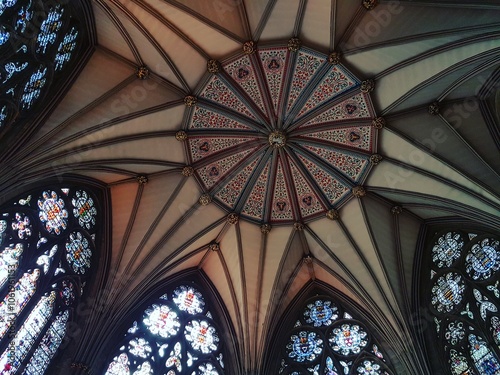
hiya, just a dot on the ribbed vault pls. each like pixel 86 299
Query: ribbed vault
pixel 435 68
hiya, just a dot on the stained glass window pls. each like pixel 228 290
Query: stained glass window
pixel 38 39
pixel 327 340
pixel 463 297
pixel 39 282
pixel 175 335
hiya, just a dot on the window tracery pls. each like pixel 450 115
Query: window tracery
pixel 327 339
pixel 39 285
pixel 37 41
pixel 463 299
pixel 176 335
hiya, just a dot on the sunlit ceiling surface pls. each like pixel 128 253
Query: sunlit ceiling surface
pixel 278 143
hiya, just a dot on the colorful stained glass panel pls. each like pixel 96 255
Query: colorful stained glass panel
pixel 304 346
pixel 348 339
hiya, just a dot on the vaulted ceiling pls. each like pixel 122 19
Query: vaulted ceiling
pixel 435 68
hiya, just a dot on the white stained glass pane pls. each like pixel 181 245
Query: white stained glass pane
pixel 24 339
pixel 202 336
pixel 66 48
pixel 119 366
pixel 33 88
pixel 48 346
pixel 9 259
pixel 49 29
pixel 188 299
pixel 4 4
pixel 23 291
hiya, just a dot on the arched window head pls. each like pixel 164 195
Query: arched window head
pixel 47 255
pixel 41 42
pixel 178 333
pixel 463 296
pixel 327 338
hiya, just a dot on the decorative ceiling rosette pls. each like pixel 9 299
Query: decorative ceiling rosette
pixel 280 136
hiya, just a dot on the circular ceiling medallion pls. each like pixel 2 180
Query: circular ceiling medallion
pixel 280 136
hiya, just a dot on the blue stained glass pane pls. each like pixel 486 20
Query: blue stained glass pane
pixel 305 346
pixel 447 292
pixel 447 249
pixel 321 313
pixel 33 88
pixel 27 334
pixel 49 29
pixel 4 4
pixel 48 346
pixel 12 68
pixel 24 15
pixel 4 36
pixel 65 49
pixel 483 259
pixel 484 360
pixel 348 339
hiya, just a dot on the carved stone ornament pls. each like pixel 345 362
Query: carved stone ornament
pixel 334 58
pixel 333 214
pixel 277 139
pixel 249 47
pixel 298 226
pixel 205 199
pixel 294 44
pixel 265 228
pixel 142 180
pixel 434 108
pixel 213 66
pixel 396 210
pixel 187 171
pixel 370 4
pixel 142 72
pixel 368 85
pixel 307 259
pixel 375 159
pixel 213 246
pixel 181 136
pixel 378 122
pixel 190 100
pixel 358 191
pixel 233 218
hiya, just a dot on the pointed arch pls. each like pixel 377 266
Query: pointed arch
pixel 51 258
pixel 323 332
pixel 459 297
pixel 180 327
